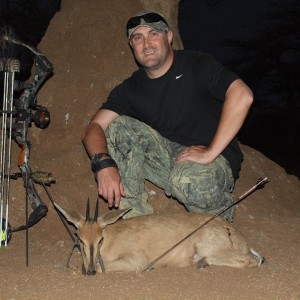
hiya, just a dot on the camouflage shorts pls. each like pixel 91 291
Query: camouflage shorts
pixel 143 154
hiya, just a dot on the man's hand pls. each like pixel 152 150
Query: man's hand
pixel 197 154
pixel 110 186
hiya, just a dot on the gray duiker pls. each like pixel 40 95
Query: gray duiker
pixel 131 244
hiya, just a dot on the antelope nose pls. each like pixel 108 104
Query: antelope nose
pixel 91 272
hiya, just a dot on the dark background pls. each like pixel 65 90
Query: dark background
pixel 259 40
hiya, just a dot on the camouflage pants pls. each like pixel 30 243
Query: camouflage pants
pixel 143 154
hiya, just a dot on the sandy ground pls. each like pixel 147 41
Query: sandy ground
pixel 88 61
pixel 269 218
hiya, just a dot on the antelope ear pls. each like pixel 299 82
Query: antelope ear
pixel 111 217
pixel 74 217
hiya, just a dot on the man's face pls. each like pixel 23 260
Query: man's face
pixel 151 48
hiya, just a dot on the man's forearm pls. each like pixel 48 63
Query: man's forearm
pixel 94 139
pixel 236 106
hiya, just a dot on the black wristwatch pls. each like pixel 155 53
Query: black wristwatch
pixel 98 164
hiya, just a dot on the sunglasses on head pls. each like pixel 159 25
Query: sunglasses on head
pixel 148 18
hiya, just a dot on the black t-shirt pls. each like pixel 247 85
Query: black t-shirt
pixel 184 105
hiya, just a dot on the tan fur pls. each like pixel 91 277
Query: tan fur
pixel 131 244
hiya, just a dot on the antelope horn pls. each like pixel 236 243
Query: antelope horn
pixel 87 217
pixel 96 211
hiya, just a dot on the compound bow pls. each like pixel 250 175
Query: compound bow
pixel 17 117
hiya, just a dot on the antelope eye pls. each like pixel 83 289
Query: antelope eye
pixel 81 242
pixel 100 240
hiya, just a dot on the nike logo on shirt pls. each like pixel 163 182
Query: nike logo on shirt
pixel 179 76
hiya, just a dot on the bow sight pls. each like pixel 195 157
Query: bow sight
pixel 18 113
